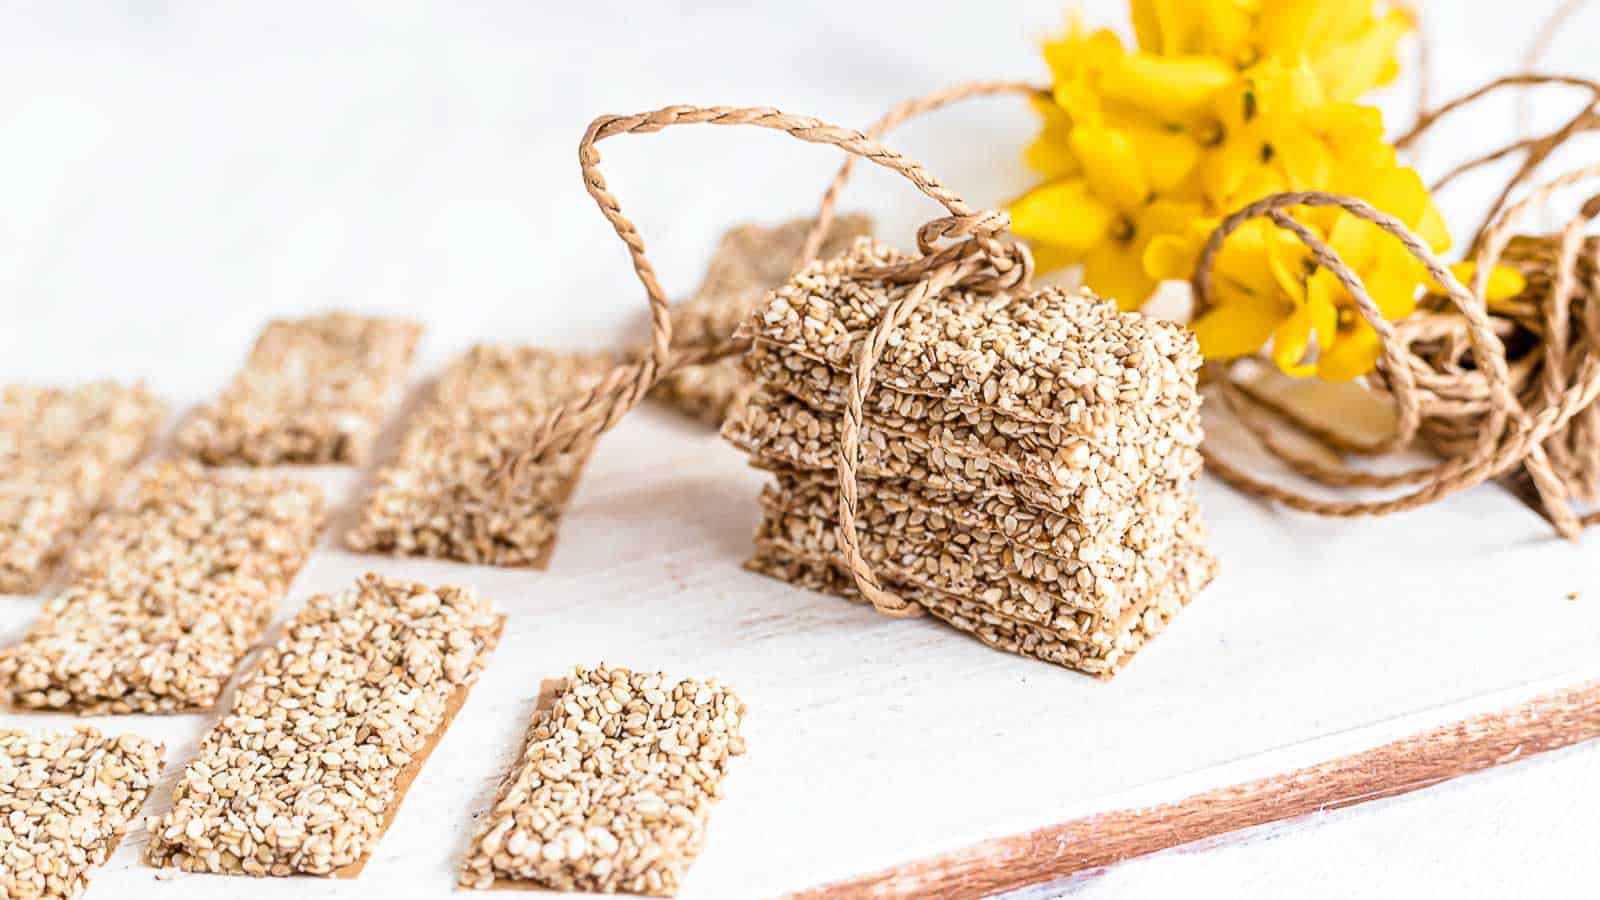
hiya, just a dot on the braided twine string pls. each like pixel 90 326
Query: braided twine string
pixel 1447 368
pixel 1491 390
pixel 965 249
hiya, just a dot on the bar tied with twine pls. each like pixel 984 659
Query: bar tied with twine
pixel 996 391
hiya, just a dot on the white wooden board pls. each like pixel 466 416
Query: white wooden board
pixel 875 741
pixel 174 178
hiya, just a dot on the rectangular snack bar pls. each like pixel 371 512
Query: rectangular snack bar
pixel 904 506
pixel 435 499
pixel 63 454
pixel 1100 432
pixel 749 261
pixel 168 593
pixel 306 771
pixel 1039 589
pixel 313 390
pixel 66 800
pixel 1043 356
pixel 614 786
pixel 1073 475
pixel 1192 571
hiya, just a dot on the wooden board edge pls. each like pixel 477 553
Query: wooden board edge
pixel 1548 722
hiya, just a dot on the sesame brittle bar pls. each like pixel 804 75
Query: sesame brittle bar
pixel 749 261
pixel 1035 587
pixel 167 595
pixel 312 391
pixel 1102 657
pixel 961 457
pixel 436 497
pixel 64 452
pixel 66 800
pixel 614 786
pixel 1099 434
pixel 1040 592
pixel 307 770
pixel 905 506
pixel 1039 357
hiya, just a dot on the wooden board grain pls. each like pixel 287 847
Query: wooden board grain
pixel 1549 722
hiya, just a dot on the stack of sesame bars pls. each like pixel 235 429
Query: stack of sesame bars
pixel 1026 458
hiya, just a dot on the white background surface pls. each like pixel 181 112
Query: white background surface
pixel 172 174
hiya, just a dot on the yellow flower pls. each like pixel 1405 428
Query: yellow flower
pixel 1112 168
pixel 1104 218
pixel 1144 150
pixel 1347 43
pixel 1266 140
pixel 1267 287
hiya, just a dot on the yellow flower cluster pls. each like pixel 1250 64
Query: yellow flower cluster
pixel 1223 102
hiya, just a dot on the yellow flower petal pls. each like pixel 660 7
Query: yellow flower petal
pixel 1365 61
pixel 1175 88
pixel 1157 26
pixel 1397 190
pixel 1354 354
pixel 1504 281
pixel 1111 167
pixel 1237 326
pixel 1227 168
pixel 1115 271
pixel 1285 91
pixel 1289 261
pixel 1063 214
pixel 1048 258
pixel 1169 216
pixel 1292 343
pixel 1079 102
pixel 1294 28
pixel 1355 240
pixel 1175 27
pixel 1348 123
pixel 1077 54
pixel 1325 296
pixel 1167 156
pixel 1305 158
pixel 1051 154
pixel 1171 257
pixel 1432 228
pixel 1052 158
pixel 1393 287
pixel 1285 29
pixel 1243 257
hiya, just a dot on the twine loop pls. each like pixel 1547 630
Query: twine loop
pixel 980 256
pixel 1454 370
